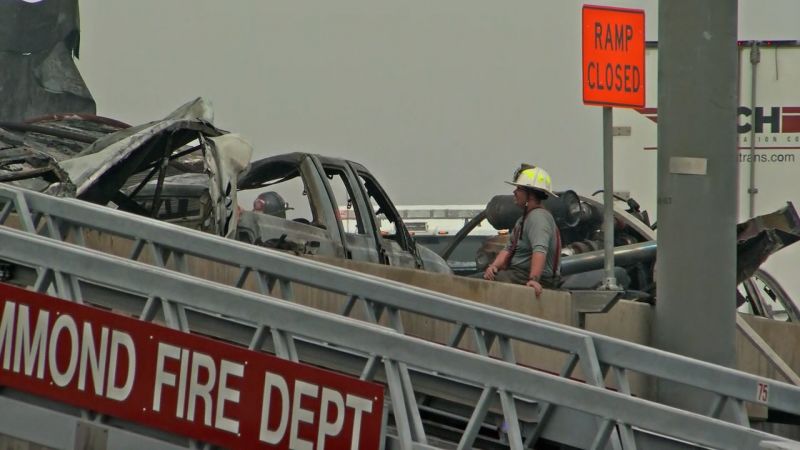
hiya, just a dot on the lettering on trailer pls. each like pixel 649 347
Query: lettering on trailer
pixel 776 127
pixel 194 386
pixel 778 119
pixel 613 56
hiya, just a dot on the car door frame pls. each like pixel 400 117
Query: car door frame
pixel 362 207
pixel 317 191
pixel 405 240
pixel 330 209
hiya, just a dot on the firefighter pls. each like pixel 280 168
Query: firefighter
pixel 271 203
pixel 532 256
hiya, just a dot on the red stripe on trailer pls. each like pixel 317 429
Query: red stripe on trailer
pixel 790 124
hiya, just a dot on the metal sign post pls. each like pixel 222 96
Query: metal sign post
pixel 613 75
pixel 610 279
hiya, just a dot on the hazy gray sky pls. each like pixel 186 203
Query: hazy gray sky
pixel 440 99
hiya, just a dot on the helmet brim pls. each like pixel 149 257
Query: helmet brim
pixel 549 193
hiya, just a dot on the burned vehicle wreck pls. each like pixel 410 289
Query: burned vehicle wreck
pixel 184 170
pixel 131 168
pixel 580 218
pixel 296 198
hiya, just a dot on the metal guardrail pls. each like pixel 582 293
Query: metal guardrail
pixel 59 218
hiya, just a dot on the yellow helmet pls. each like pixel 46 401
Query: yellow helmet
pixel 532 177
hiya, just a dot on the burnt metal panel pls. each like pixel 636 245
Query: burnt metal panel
pixel 37 45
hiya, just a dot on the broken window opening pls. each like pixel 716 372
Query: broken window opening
pixel 174 168
pixel 286 197
pixel 347 211
pixel 380 207
pixel 775 309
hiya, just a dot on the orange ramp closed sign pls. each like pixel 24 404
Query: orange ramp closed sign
pixel 613 56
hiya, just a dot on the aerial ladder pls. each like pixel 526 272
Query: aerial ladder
pixel 436 396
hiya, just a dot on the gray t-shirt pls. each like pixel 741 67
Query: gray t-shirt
pixel 538 235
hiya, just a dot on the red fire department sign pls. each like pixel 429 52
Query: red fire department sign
pixel 613 56
pixel 182 383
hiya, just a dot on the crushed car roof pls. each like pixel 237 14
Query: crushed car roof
pixel 92 157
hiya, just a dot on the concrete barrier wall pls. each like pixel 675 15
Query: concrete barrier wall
pixel 627 320
pixel 783 337
pixel 11 443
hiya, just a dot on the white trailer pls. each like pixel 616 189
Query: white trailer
pixel 769 140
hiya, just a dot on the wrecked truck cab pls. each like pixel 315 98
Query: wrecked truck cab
pixel 185 200
pixel 109 163
pixel 312 187
pixel 184 170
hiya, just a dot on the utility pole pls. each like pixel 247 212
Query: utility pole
pixel 697 186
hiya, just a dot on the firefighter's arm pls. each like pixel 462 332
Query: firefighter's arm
pixel 537 266
pixel 500 262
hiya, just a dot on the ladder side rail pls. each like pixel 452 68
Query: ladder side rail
pixel 19 198
pixel 305 321
pixel 615 352
pixel 5 212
